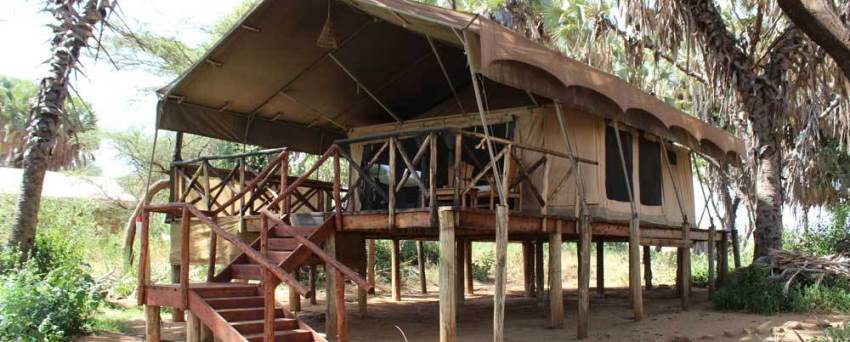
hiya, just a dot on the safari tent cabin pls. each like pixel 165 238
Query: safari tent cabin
pixel 424 123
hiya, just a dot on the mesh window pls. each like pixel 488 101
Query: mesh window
pixel 649 172
pixel 615 182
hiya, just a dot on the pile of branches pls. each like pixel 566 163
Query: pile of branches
pixel 788 265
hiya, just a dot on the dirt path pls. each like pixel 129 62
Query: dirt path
pixel 525 320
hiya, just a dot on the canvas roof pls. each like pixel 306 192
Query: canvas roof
pixel 269 83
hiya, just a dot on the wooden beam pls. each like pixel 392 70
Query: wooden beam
pixel 153 324
pixel 269 303
pixel 193 327
pixel 362 295
pixel 391 186
pixel 600 267
pixel 395 270
pixel 420 260
pixel 294 297
pixel 501 273
pixel 583 317
pixel 371 264
pixel 556 294
pixel 177 315
pixel 448 323
pixel 339 305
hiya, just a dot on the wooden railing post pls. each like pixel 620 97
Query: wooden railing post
pixel 185 223
pixel 213 249
pixel 337 187
pixel 284 183
pixel 448 297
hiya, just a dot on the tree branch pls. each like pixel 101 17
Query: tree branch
pixel 819 20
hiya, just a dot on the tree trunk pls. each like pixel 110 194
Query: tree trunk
pixel 768 233
pixel 73 28
pixel 824 26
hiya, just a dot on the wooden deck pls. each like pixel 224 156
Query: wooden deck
pixel 479 225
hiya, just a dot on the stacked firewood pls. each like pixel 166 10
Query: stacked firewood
pixel 787 265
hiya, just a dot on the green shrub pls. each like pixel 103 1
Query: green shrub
pixel 750 289
pixel 831 296
pixel 835 334
pixel 51 297
pixel 482 265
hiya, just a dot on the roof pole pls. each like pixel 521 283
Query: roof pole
pixel 362 86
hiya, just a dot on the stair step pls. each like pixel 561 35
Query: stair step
pixel 282 244
pixel 297 335
pixel 303 231
pixel 246 314
pixel 235 302
pixel 256 326
pixel 278 256
pixel 246 271
pixel 246 290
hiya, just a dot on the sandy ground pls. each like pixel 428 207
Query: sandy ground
pixel 525 320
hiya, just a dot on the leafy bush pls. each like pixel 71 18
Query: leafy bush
pixel 831 296
pixel 482 265
pixel 835 334
pixel 750 289
pixel 825 239
pixel 51 297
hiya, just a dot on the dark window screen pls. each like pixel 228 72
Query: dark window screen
pixel 615 182
pixel 649 172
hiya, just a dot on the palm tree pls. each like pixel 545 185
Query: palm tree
pixel 76 22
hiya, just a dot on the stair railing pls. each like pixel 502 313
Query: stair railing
pixel 187 212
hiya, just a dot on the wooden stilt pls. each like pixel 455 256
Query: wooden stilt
pixel 396 270
pixel 331 293
pixel 583 319
pixel 448 325
pixel 206 334
pixel 153 324
pixel 723 260
pixel 339 305
pixel 712 233
pixel 556 294
pixel 294 298
pixel 193 327
pixel 177 315
pixel 269 305
pixel 362 295
pixel 501 272
pixel 313 275
pixel 600 267
pixel 736 249
pixel 459 272
pixel 420 257
pixel 686 270
pixel 679 263
pixel 528 268
pixel 647 266
pixel 467 267
pixel 539 273
pixel 371 262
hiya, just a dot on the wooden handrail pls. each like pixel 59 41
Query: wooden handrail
pixel 303 177
pixel 253 183
pixel 349 273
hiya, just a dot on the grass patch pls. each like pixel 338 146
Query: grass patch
pixel 115 318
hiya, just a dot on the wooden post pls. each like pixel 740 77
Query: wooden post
pixel 339 304
pixel 723 260
pixel 556 294
pixel 647 266
pixel 600 267
pixel 193 327
pixel 679 262
pixel 334 296
pixel 391 191
pixel 583 319
pixel 736 249
pixel 712 233
pixel 501 272
pixel 432 179
pixel 152 324
pixel 370 262
pixel 634 234
pixel 337 188
pixel 459 279
pixel 313 275
pixel 177 315
pixel 467 266
pixel 448 323
pixel 294 297
pixel 539 273
pixel 420 259
pixel 362 295
pixel 269 285
pixel 185 221
pixel 396 271
pixel 528 268
pixel 457 154
pixel 686 268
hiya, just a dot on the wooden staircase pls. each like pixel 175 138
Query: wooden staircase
pixel 236 312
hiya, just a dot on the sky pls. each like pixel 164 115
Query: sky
pixel 121 98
